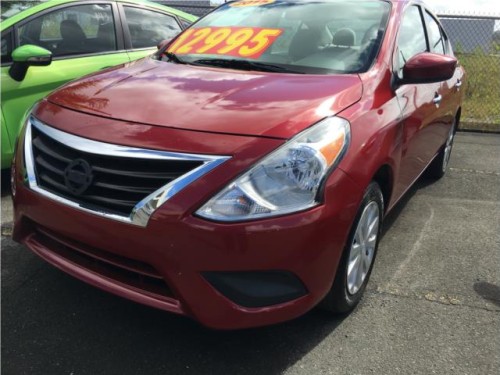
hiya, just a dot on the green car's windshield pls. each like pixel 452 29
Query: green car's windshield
pixel 300 36
pixel 11 8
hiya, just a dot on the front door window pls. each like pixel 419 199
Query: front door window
pixel 76 30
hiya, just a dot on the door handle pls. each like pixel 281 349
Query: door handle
pixel 458 84
pixel 437 99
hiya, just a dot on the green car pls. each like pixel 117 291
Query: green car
pixel 53 42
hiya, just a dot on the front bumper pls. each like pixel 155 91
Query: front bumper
pixel 163 265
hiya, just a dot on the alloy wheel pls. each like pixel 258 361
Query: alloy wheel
pixel 363 247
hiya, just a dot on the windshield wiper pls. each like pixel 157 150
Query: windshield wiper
pixel 173 57
pixel 245 65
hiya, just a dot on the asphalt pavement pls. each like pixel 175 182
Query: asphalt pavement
pixel 432 306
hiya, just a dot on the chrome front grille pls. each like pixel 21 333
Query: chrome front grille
pixel 119 182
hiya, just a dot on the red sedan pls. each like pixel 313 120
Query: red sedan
pixel 240 176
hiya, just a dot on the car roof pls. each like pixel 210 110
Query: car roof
pixel 5 24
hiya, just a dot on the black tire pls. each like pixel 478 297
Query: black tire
pixel 339 299
pixel 437 168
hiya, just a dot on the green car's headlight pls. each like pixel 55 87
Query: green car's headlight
pixel 285 181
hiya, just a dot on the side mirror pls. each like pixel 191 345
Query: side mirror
pixel 428 68
pixel 164 43
pixel 25 56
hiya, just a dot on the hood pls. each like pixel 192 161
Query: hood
pixel 211 99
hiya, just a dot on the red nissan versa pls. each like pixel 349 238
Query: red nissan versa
pixel 240 175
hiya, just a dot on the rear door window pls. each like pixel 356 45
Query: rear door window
pixel 148 28
pixel 436 39
pixel 185 23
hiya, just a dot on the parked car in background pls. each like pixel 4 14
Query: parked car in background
pixel 46 44
pixel 241 175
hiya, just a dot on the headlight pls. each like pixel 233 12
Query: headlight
pixel 285 181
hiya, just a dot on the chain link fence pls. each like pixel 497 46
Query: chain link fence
pixel 197 7
pixel 476 42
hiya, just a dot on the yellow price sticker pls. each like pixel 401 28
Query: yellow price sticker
pixel 247 42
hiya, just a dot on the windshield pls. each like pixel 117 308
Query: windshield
pixel 314 37
pixel 11 8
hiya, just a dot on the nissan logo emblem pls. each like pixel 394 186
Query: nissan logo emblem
pixel 78 176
